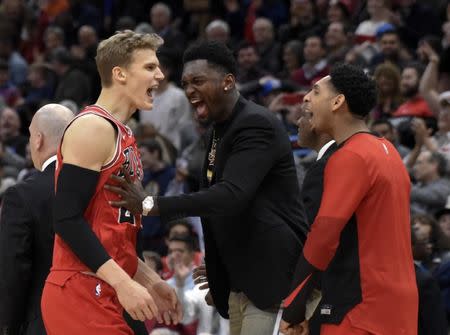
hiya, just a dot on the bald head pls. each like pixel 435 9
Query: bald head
pixel 51 120
pixel 46 130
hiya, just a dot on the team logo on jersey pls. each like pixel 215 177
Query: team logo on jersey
pixel 132 163
pixel 98 290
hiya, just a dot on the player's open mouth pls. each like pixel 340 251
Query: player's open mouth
pixel 199 106
pixel 151 90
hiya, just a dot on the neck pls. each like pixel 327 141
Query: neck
pixel 116 104
pixel 348 127
pixel 156 167
pixel 229 105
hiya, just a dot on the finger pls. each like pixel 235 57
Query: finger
pixel 118 203
pixel 204 286
pixel 167 318
pixel 115 189
pixel 127 176
pixel 200 280
pixel 141 315
pixel 133 315
pixel 116 178
pixel 151 304
pixel 148 312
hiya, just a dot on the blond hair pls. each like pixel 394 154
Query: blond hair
pixel 118 49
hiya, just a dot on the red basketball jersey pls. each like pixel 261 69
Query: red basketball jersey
pixel 116 228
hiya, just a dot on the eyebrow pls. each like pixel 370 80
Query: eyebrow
pixel 316 87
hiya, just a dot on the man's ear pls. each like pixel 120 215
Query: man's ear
pixel 229 82
pixel 39 140
pixel 337 102
pixel 119 74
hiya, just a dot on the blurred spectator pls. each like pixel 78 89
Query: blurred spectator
pixel 72 83
pixel 379 14
pixel 8 91
pixel 315 66
pixel 176 228
pixel 391 51
pixel 292 58
pixel 160 19
pixel 39 85
pixel 337 42
pixel 432 319
pixel 79 13
pixel 303 22
pixel 385 129
pixel 84 54
pixel 218 30
pixel 53 39
pixel 248 64
pixel 12 163
pixel 414 104
pixel 10 132
pixel 18 67
pixel 339 11
pixel 157 176
pixel 387 77
pixel 197 315
pixel 171 109
pixel 431 189
pixel 268 49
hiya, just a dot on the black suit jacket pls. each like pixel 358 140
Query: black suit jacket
pixel 252 216
pixel 26 248
pixel 312 187
pixel 432 318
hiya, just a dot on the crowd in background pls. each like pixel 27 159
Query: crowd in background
pixel 47 50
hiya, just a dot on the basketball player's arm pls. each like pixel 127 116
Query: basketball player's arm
pixel 88 143
pixel 346 182
pixel 164 295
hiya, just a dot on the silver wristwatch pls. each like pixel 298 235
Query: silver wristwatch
pixel 147 205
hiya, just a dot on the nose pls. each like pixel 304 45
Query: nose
pixel 306 97
pixel 159 75
pixel 188 90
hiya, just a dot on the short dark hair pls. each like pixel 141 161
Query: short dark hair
pixel 185 238
pixel 217 54
pixel 358 88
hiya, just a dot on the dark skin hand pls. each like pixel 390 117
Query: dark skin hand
pixel 200 277
pixel 131 194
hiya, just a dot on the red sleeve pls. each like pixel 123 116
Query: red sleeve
pixel 346 182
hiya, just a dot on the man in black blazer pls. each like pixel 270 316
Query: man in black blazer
pixel 26 232
pixel 249 202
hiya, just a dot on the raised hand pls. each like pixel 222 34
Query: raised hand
pixel 200 277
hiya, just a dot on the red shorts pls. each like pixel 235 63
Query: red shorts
pixel 344 328
pixel 82 305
